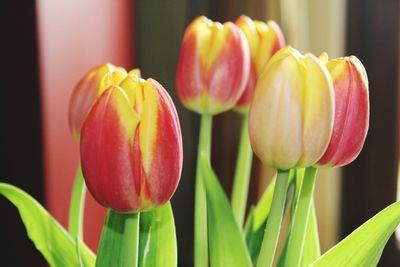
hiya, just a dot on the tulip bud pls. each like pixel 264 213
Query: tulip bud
pixel 213 66
pixel 351 111
pixel 131 146
pixel 291 116
pixel 90 86
pixel 264 40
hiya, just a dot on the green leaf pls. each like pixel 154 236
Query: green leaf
pixel 157 247
pixel 257 220
pixel 226 243
pixel 80 250
pixel 311 250
pixel 49 237
pixel 258 215
pixel 119 243
pixel 364 246
pixel 150 234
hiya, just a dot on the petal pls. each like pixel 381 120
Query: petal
pixel 160 144
pixel 243 104
pixel 132 86
pixel 228 76
pixel 324 57
pixel 275 117
pixel 108 161
pixel 113 77
pixel 250 30
pixel 318 108
pixel 83 96
pixel 271 40
pixel 135 72
pixel 264 40
pixel 352 111
pixel 190 82
pixel 148 123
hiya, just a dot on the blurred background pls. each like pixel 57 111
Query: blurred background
pixel 46 46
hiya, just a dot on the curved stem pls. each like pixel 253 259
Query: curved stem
pixel 76 208
pixel 300 219
pixel 119 244
pixel 200 210
pixel 242 173
pixel 273 226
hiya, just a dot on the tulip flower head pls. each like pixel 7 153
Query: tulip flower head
pixel 89 87
pixel 213 66
pixel 351 111
pixel 264 40
pixel 131 146
pixel 291 116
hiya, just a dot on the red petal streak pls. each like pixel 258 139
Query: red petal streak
pixel 189 74
pixel 106 154
pixel 166 166
pixel 227 78
pixel 82 99
pixel 351 118
pixel 247 96
pixel 278 42
pixel 280 39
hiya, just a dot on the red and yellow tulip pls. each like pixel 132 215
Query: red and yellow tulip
pixel 264 40
pixel 89 88
pixel 291 116
pixel 131 146
pixel 213 66
pixel 351 111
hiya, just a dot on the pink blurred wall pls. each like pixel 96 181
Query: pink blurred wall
pixel 75 35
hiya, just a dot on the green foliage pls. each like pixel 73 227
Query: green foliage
pixel 145 240
pixel 226 243
pixel 258 215
pixel 157 245
pixel 311 249
pixel 157 240
pixel 364 246
pixel 49 237
pixel 119 243
pixel 257 220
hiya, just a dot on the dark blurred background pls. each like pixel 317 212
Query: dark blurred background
pixel 46 46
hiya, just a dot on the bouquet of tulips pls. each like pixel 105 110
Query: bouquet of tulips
pixel 299 113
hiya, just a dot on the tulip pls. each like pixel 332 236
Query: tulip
pixel 351 111
pixel 213 66
pixel 264 40
pixel 131 146
pixel 89 88
pixel 291 116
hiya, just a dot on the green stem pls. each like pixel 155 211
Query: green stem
pixel 76 208
pixel 200 210
pixel 119 244
pixel 242 173
pixel 300 219
pixel 273 226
